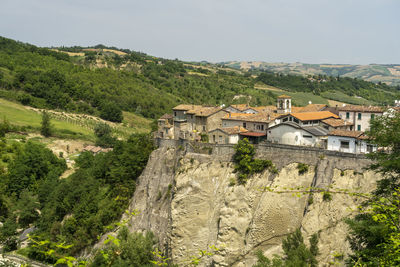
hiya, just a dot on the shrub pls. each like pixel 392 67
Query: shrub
pixel 326 196
pixel 303 168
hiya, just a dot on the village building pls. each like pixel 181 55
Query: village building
pixel 308 118
pixel 291 133
pixel 360 116
pixel 165 126
pixel 336 124
pixel 349 141
pixel 191 121
pixel 230 135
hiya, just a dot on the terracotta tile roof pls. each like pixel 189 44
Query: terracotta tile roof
pixel 255 134
pixel 284 96
pixel 357 108
pixel 240 107
pixel 310 116
pixel 336 122
pixel 204 111
pixel 166 116
pixel 232 130
pixel 354 134
pixel 186 107
pixel 313 107
pixel 259 117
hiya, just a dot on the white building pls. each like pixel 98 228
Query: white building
pixel 349 141
pixel 290 133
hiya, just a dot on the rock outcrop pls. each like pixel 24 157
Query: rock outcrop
pixel 191 202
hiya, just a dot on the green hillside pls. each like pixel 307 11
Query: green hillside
pixel 104 81
pixel 389 73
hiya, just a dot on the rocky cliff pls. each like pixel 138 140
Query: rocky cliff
pixel 189 200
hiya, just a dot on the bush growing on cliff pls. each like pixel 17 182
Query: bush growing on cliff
pixel 296 253
pixel 245 164
pixel 375 232
pixel 303 168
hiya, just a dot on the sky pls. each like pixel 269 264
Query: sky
pixel 308 31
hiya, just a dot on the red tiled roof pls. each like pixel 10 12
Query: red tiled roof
pixel 336 122
pixel 357 108
pixel 255 134
pixel 310 116
pixel 354 134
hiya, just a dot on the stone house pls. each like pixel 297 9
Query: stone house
pixel 229 135
pixel 360 116
pixel 166 126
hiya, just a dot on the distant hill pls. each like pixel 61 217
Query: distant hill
pixel 103 81
pixel 389 74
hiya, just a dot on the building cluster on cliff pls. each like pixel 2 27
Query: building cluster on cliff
pixel 317 125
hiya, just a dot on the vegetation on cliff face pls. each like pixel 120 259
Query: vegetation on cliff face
pixel 375 232
pixel 296 253
pixel 74 210
pixel 246 164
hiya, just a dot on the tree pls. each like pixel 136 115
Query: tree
pixel 296 253
pixel 375 233
pixel 45 129
pixel 111 112
pixel 103 135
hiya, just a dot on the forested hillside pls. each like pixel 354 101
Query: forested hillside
pixel 103 81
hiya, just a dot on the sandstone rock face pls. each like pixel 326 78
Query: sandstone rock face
pixel 190 202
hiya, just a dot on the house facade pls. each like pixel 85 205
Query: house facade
pixel 349 141
pixel 360 116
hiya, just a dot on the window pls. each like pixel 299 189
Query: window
pixel 290 119
pixel 344 144
pixel 347 115
pixel 175 113
pixel 285 119
pixel 296 120
pixel 204 128
pixel 359 116
pixel 244 125
pixel 220 138
pixel 372 116
pixel 307 136
pixel 359 127
pixel 262 127
pixel 213 138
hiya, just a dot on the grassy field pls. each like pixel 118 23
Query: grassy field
pixel 19 115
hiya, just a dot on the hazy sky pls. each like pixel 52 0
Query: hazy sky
pixel 311 31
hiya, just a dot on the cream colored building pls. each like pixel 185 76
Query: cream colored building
pixel 360 116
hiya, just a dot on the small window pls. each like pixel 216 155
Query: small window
pixel 344 144
pixel 244 125
pixel 307 136
pixel 372 116
pixel 359 127
pixel 175 113
pixel 347 115
pixel 296 120
pixel 214 138
pixel 204 128
pixel 359 116
pixel 262 127
pixel 220 138
pixel 285 119
pixel 290 119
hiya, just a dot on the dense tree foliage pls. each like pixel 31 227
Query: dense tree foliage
pixel 380 93
pixel 76 209
pixel 45 128
pixel 375 232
